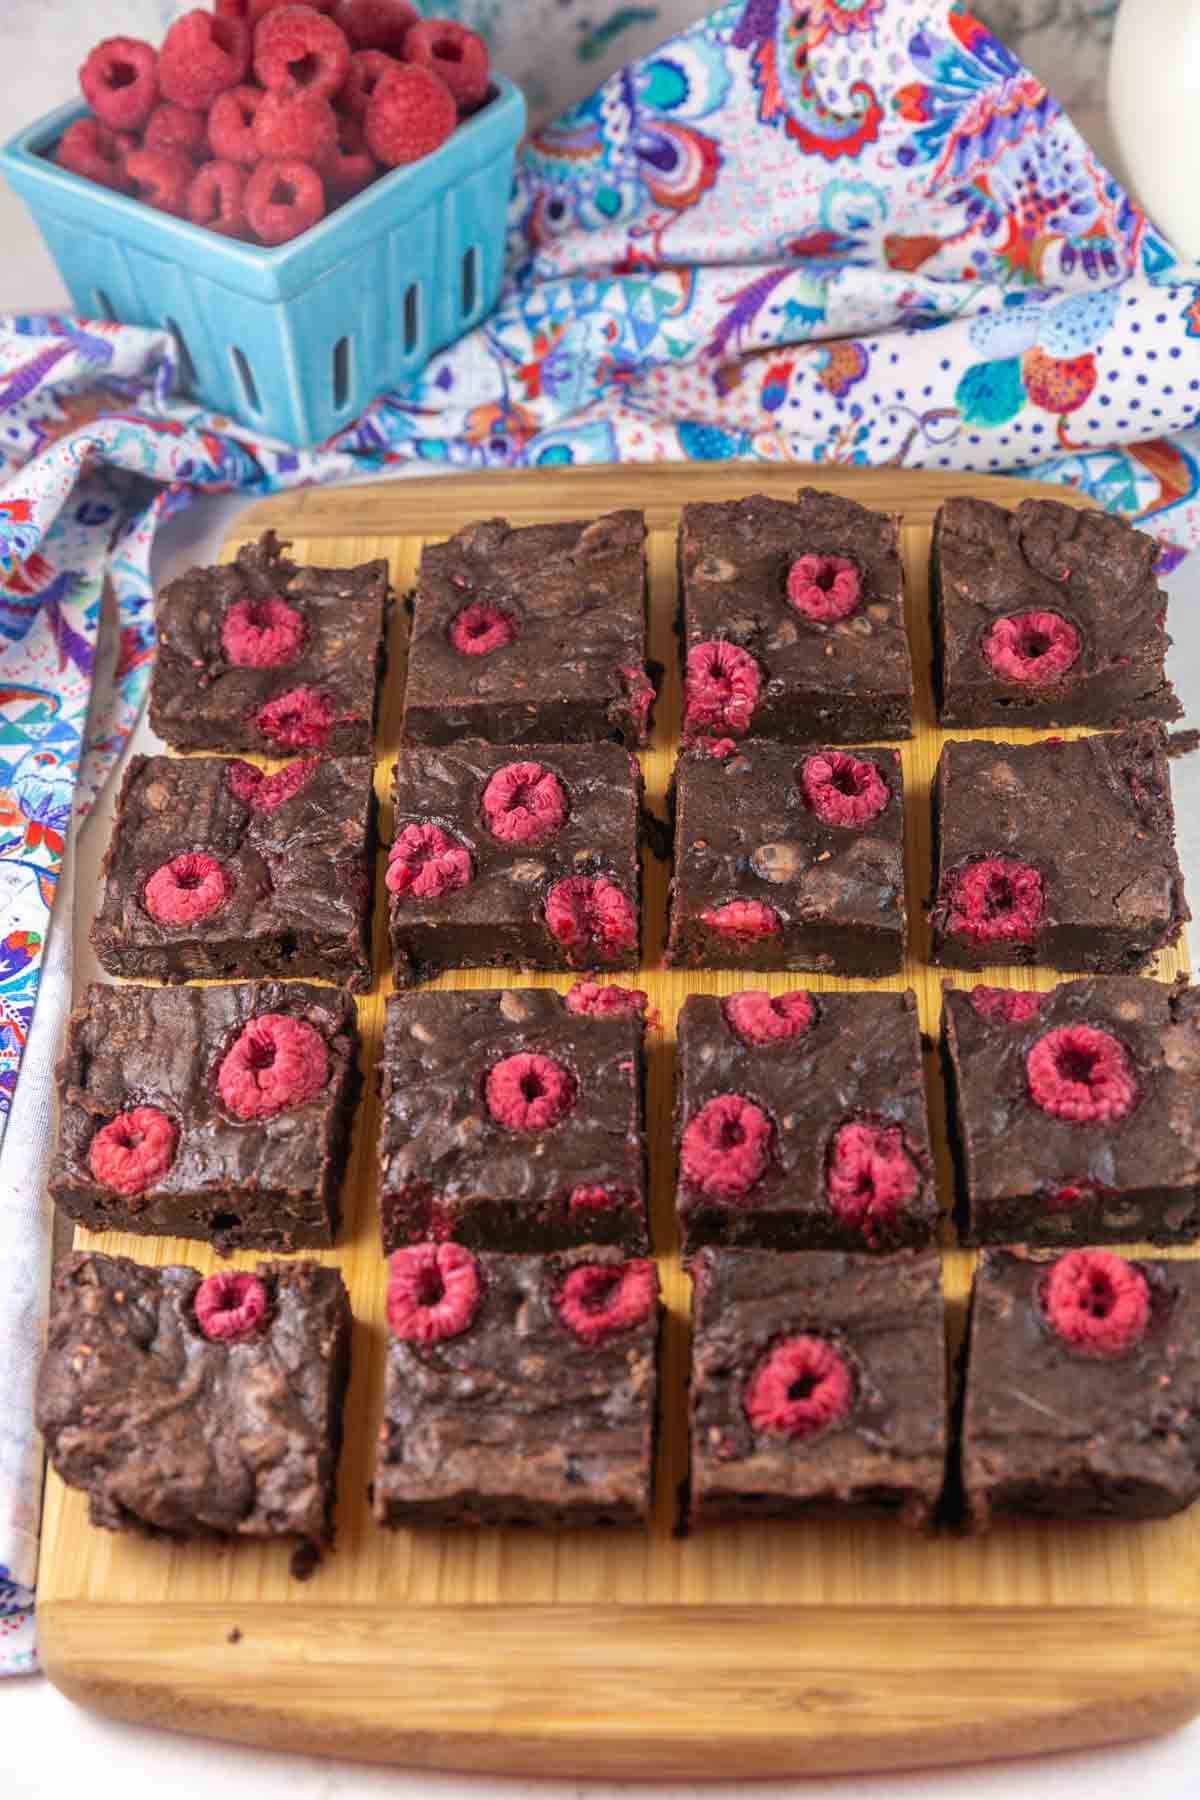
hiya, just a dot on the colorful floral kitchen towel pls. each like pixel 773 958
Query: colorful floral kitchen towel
pixel 843 231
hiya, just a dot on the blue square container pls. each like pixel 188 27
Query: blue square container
pixel 293 341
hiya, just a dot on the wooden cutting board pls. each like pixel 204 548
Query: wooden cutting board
pixel 747 1650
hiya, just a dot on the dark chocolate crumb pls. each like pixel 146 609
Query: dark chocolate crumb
pixel 306 1559
pixel 1182 743
pixel 234 1636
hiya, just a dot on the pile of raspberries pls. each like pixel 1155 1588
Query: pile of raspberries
pixel 258 118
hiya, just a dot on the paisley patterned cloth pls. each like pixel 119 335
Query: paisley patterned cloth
pixel 844 231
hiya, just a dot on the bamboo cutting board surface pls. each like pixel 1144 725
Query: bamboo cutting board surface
pixel 746 1649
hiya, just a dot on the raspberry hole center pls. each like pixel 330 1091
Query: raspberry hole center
pixel 1076 1062
pixel 1098 1297
pixel 598 1293
pixel 430 1287
pixel 730 1134
pixel 447 51
pixel 1034 644
pixel 283 194
pixel 305 69
pixel 121 75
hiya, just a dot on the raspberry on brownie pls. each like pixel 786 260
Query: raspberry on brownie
pixel 788 858
pixel 1073 1117
pixel 518 1389
pixel 800 1120
pixel 1056 853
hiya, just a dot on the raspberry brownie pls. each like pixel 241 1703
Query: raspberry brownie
pixel 512 1118
pixel 210 1112
pixel 800 1122
pixel 527 860
pixel 217 869
pixel 532 636
pixel 818 1385
pixel 1082 1394
pixel 259 654
pixel 196 1407
pixel 788 859
pixel 793 620
pixel 1049 615
pixel 1075 1114
pixel 519 1389
pixel 1056 853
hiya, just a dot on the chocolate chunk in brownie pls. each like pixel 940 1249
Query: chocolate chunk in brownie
pixel 217 869
pixel 259 654
pixel 212 1112
pixel 534 635
pixel 519 1389
pixel 788 859
pixel 197 1407
pixel 1056 853
pixel 818 1385
pixel 1048 615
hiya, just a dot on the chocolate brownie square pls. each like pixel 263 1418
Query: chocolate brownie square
pixel 512 1118
pixel 1082 1390
pixel 1048 615
pixel 788 859
pixel 259 654
pixel 212 1112
pixel 519 1389
pixel 534 635
pixel 800 1122
pixel 818 1385
pixel 793 620
pixel 197 1407
pixel 1075 1115
pixel 529 861
pixel 216 869
pixel 1056 853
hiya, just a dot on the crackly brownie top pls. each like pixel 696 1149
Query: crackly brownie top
pixel 1093 1085
pixel 173 1428
pixel 507 1093
pixel 1087 567
pixel 278 852
pixel 564 606
pixel 533 1371
pixel 814 834
pixel 179 1090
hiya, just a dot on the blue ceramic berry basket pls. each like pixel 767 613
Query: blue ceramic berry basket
pixel 293 341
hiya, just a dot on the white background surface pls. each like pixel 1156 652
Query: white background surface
pixel 49 1748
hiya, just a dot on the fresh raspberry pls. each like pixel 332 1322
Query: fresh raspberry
pixel 160 178
pixel 824 588
pixel 296 126
pixel 187 888
pixel 599 1299
pixel 1080 1073
pixel 214 200
pixel 120 82
pixel 528 1092
pixel 603 1002
pixel 524 803
pixel 367 69
pixel 455 54
pixel 594 1197
pixel 1034 648
pixel 276 1062
pixel 262 792
pixel 995 900
pixel 724 1150
pixel 798 1388
pixel 1096 1301
pixel 351 167
pixel 410 113
pixel 433 1292
pixel 378 24
pixel 742 921
pixel 299 51
pixel 1013 1005
pixel 283 199
pixel 720 687
pixel 201 57
pixel 481 628
pixel 759 1018
pixel 1064 1196
pixel 231 125
pixel 591 914
pixel 870 1175
pixel 301 719
pixel 250 12
pixel 719 749
pixel 230 1304
pixel 90 149
pixel 426 863
pixel 843 789
pixel 134 1150
pixel 639 689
